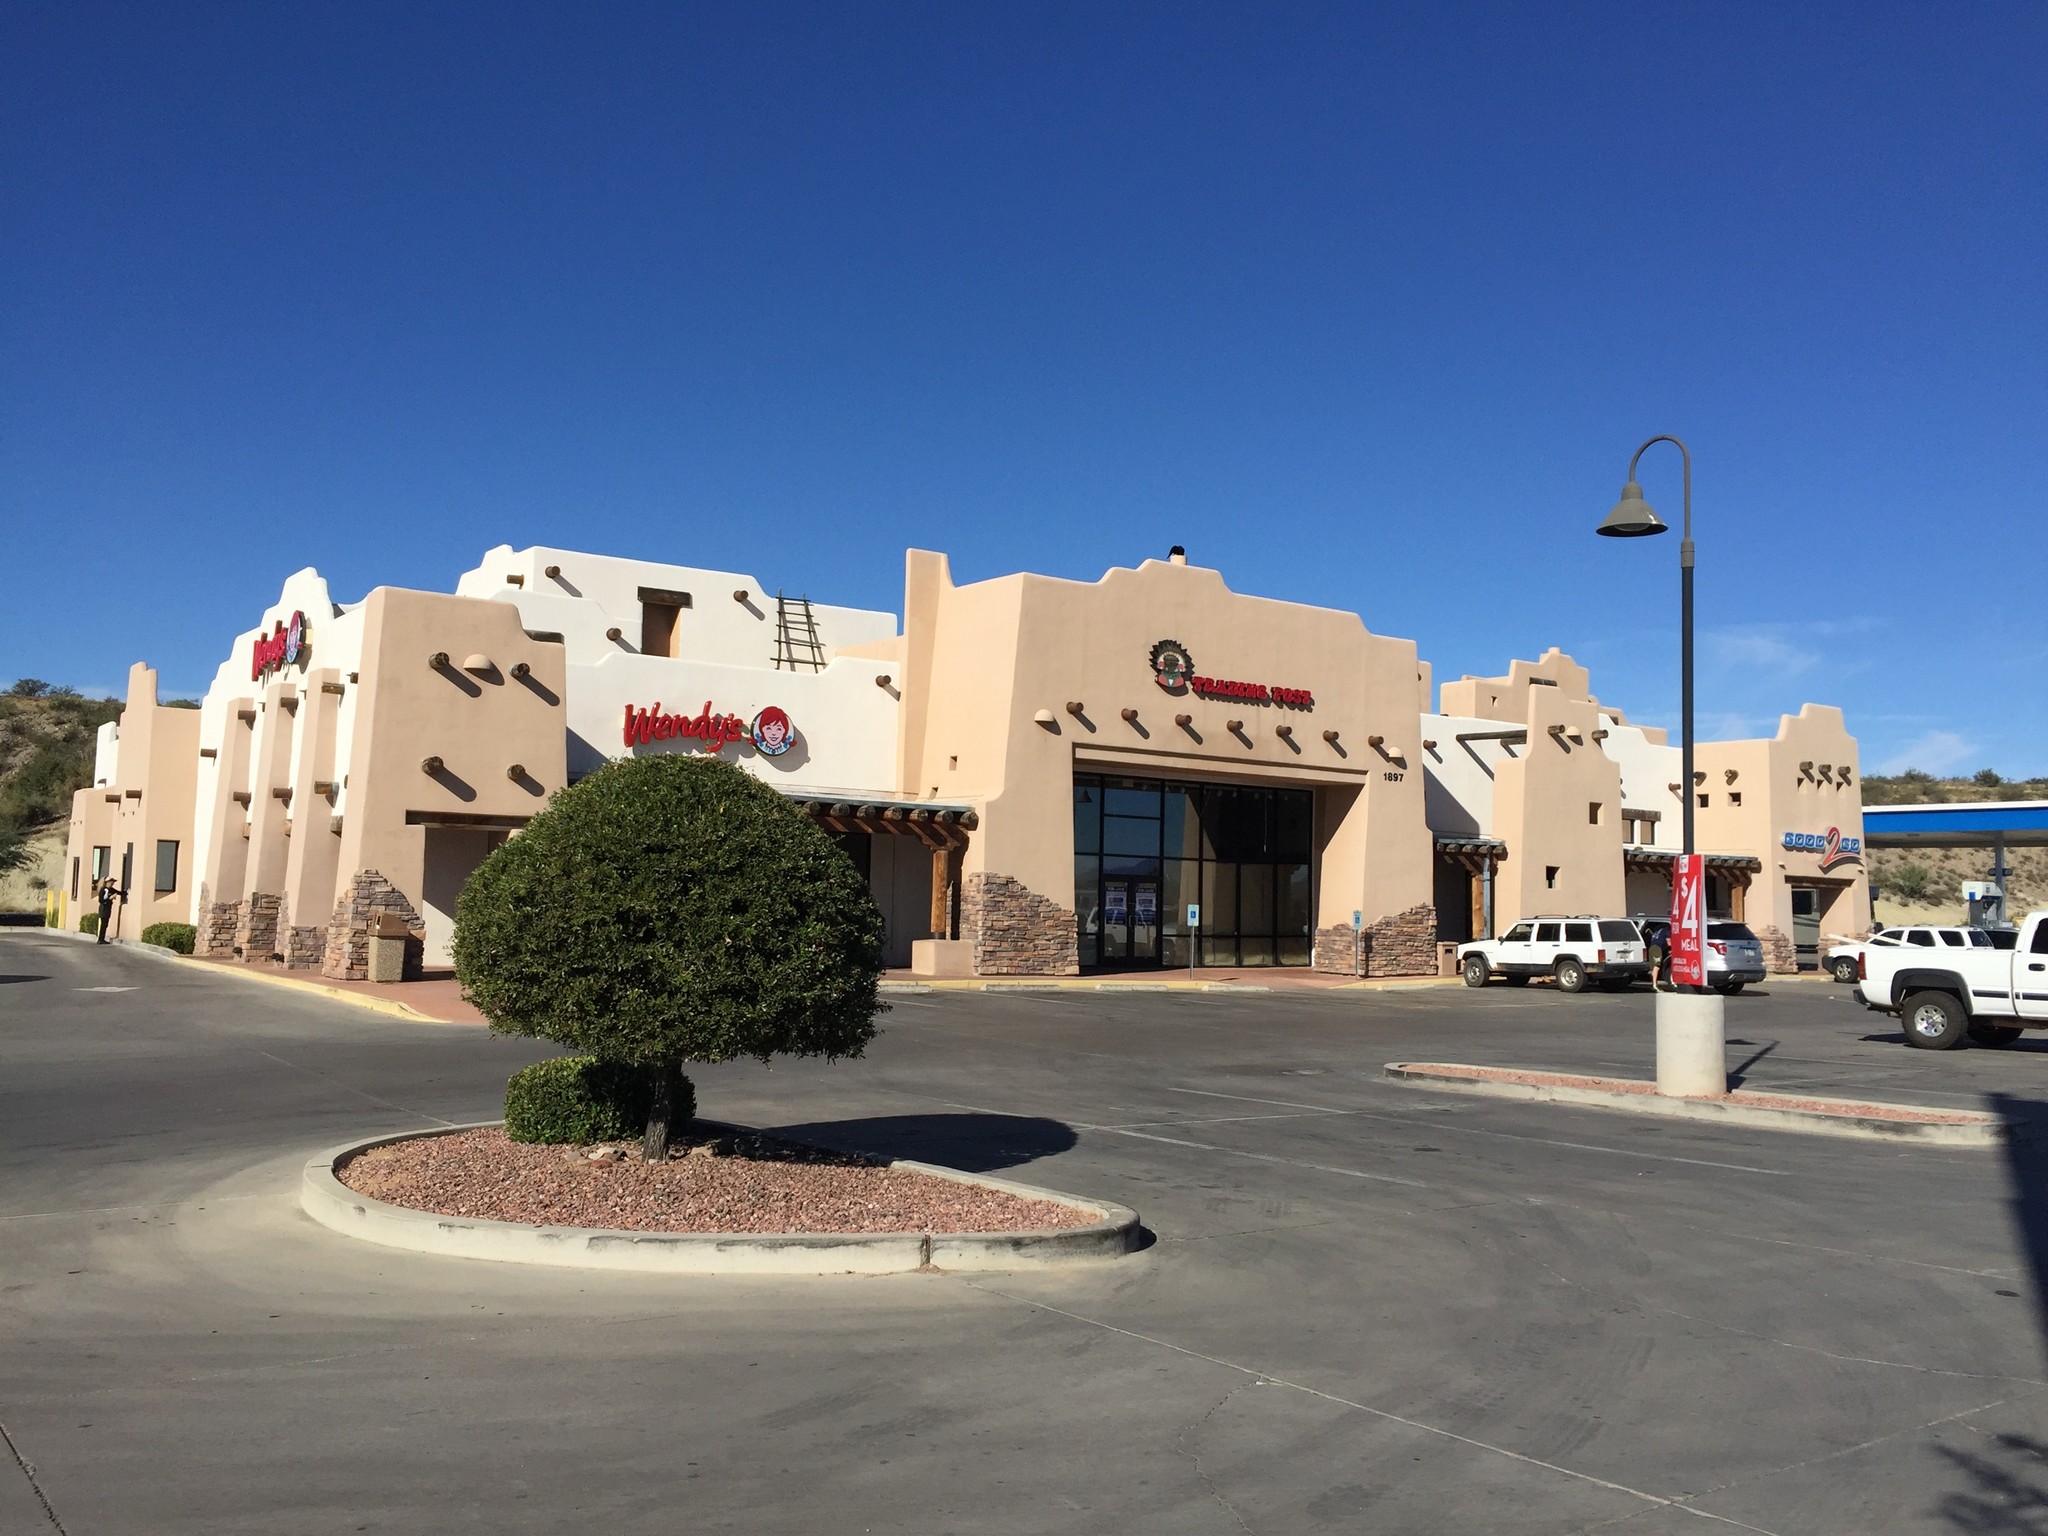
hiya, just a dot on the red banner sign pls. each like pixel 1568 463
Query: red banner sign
pixel 647 725
pixel 281 648
pixel 1689 920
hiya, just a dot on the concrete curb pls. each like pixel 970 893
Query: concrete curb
pixel 384 1005
pixel 1070 984
pixel 1980 1130
pixel 334 1205
pixel 389 1006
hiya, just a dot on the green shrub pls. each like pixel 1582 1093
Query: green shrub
pixel 671 909
pixel 178 936
pixel 579 1099
pixel 1910 881
pixel 90 923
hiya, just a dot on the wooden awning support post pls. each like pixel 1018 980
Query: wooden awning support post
pixel 945 891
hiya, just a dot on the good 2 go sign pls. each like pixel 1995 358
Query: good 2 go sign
pixel 1832 847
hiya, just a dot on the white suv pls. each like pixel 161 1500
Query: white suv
pixel 1573 950
pixel 1841 960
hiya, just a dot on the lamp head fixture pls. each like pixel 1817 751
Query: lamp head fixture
pixel 1632 517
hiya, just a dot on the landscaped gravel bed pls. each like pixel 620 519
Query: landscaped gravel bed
pixel 726 1184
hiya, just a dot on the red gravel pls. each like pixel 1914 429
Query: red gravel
pixel 753 1184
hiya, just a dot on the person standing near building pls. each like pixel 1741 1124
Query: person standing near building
pixel 109 893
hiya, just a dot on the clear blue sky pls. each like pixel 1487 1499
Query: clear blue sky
pixel 1365 304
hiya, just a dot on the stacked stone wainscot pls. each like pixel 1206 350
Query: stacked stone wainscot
pixel 1402 944
pixel 256 932
pixel 1016 931
pixel 347 955
pixel 218 922
pixel 1781 958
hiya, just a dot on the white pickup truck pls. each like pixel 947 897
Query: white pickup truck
pixel 1941 995
pixel 1573 950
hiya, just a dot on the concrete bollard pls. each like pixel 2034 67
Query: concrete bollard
pixel 1692 1061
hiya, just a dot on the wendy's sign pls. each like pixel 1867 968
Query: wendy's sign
pixel 1174 670
pixel 771 731
pixel 281 648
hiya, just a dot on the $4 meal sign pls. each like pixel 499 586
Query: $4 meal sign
pixel 1689 920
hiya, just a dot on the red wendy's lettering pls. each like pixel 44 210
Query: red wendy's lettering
pixel 282 647
pixel 647 725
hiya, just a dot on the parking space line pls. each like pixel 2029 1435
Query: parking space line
pixel 1257 1157
pixel 1679 1504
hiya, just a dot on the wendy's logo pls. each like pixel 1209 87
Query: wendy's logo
pixel 1172 667
pixel 772 731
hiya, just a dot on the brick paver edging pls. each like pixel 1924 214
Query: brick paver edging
pixel 1114 1232
pixel 1863 1118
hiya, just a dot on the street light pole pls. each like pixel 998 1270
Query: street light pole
pixel 1691 1032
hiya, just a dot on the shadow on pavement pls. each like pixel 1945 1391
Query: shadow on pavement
pixel 2005 1501
pixel 972 1143
pixel 2009 1475
pixel 1739 1074
pixel 4 980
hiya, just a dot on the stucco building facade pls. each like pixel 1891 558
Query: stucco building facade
pixel 1039 776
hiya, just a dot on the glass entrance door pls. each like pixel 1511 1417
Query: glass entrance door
pixel 1146 850
pixel 1130 912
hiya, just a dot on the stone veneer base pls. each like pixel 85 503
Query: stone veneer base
pixel 1403 944
pixel 1015 931
pixel 347 955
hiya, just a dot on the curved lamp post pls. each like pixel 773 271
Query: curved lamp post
pixel 1691 1048
pixel 1632 518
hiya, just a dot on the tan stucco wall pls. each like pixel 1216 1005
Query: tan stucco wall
pixel 1543 811
pixel 981 661
pixel 1778 796
pixel 1507 698
pixel 478 725
pixel 150 800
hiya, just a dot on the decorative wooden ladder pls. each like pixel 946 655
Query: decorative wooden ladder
pixel 796 635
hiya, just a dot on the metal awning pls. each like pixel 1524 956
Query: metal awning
pixel 1962 824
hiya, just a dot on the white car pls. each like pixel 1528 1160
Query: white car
pixel 1571 950
pixel 1841 960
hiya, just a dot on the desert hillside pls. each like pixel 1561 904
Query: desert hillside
pixel 1923 885
pixel 1915 788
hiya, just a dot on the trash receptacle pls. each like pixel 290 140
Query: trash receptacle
pixel 388 936
pixel 1447 959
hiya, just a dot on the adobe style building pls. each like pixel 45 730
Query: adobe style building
pixel 1039 777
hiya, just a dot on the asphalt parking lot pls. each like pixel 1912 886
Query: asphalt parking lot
pixel 1365 1308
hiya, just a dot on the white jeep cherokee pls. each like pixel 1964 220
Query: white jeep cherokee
pixel 1574 950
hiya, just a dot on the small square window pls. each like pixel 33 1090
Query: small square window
pixel 1550 876
pixel 1735 797
pixel 1703 802
pixel 1593 814
pixel 952 763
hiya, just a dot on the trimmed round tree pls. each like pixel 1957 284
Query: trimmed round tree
pixel 667 910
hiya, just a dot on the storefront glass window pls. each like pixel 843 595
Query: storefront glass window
pixel 1145 850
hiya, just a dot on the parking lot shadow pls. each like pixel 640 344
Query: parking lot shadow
pixel 2005 1500
pixel 2008 1472
pixel 972 1143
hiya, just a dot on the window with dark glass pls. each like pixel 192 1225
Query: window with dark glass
pixel 1147 850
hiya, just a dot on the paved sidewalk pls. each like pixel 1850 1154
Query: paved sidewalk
pixel 438 998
